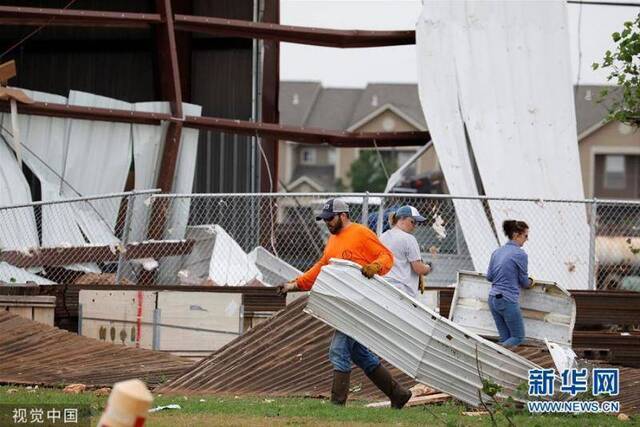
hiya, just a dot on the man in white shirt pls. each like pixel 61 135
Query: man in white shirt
pixel 407 261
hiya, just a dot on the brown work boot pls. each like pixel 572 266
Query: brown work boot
pixel 382 378
pixel 340 387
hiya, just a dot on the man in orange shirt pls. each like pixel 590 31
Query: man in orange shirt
pixel 353 242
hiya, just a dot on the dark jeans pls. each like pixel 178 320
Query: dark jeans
pixel 508 320
pixel 344 351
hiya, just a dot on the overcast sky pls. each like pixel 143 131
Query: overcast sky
pixel 356 67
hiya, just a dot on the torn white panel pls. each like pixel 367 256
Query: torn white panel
pixel 12 274
pixel 217 258
pixel 194 269
pixel 148 141
pixel 511 82
pixel 186 165
pixel 230 265
pixel 413 338
pixel 548 310
pixel 98 160
pixel 438 90
pixel 44 153
pixel 274 270
pixel 563 357
pixel 17 225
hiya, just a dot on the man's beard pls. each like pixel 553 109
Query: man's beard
pixel 335 229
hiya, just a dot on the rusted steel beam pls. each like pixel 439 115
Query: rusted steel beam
pixel 80 254
pixel 293 34
pixel 88 113
pixel 14 15
pixel 309 135
pixel 169 88
pixel 267 130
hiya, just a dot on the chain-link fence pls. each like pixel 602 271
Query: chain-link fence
pixel 239 239
pixel 65 241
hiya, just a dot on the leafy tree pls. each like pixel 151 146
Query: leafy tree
pixel 367 174
pixel 623 65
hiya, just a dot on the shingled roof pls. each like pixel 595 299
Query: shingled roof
pixel 309 104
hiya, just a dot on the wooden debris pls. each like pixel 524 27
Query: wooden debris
pixel 421 390
pixel 75 388
pixel 100 279
pixel 104 391
pixel 475 413
pixel 415 401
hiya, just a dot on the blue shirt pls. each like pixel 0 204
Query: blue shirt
pixel 508 271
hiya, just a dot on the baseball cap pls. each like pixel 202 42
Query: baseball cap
pixel 409 211
pixel 331 208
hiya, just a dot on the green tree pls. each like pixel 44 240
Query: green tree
pixel 624 71
pixel 367 174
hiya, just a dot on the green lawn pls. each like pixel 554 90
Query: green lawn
pixel 261 411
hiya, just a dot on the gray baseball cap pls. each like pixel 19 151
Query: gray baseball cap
pixel 331 208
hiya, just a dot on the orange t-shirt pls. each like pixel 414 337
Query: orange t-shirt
pixel 354 243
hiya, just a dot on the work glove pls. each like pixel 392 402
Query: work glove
pixel 533 282
pixel 371 270
pixel 283 288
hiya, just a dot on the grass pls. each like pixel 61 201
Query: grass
pixel 261 411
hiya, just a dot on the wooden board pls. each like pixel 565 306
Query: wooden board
pixel 111 316
pixel 198 321
pixel 40 308
pixel 195 323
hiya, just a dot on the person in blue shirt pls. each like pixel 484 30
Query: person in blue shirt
pixel 508 273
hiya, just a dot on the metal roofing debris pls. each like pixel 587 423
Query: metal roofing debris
pixel 17 226
pixel 217 259
pixel 594 309
pixel 74 150
pixel 274 270
pixel 548 310
pixel 284 356
pixel 12 274
pixel 426 346
pixel 34 353
pixel 287 356
pixel 500 114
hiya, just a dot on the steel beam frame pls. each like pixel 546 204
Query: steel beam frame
pixel 242 127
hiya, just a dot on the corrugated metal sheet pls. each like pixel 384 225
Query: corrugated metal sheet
pixel 503 111
pixel 34 353
pixel 274 270
pixel 287 356
pixel 17 226
pixel 424 345
pixel 12 274
pixel 548 310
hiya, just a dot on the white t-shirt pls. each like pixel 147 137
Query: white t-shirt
pixel 405 250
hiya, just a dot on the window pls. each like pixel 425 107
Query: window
pixel 617 176
pixel 308 156
pixel 614 172
pixel 331 156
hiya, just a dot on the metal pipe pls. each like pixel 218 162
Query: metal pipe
pixel 81 199
pixel 125 235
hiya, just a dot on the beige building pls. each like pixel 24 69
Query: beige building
pixel 609 152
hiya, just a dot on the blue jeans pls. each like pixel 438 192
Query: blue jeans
pixel 344 351
pixel 508 320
